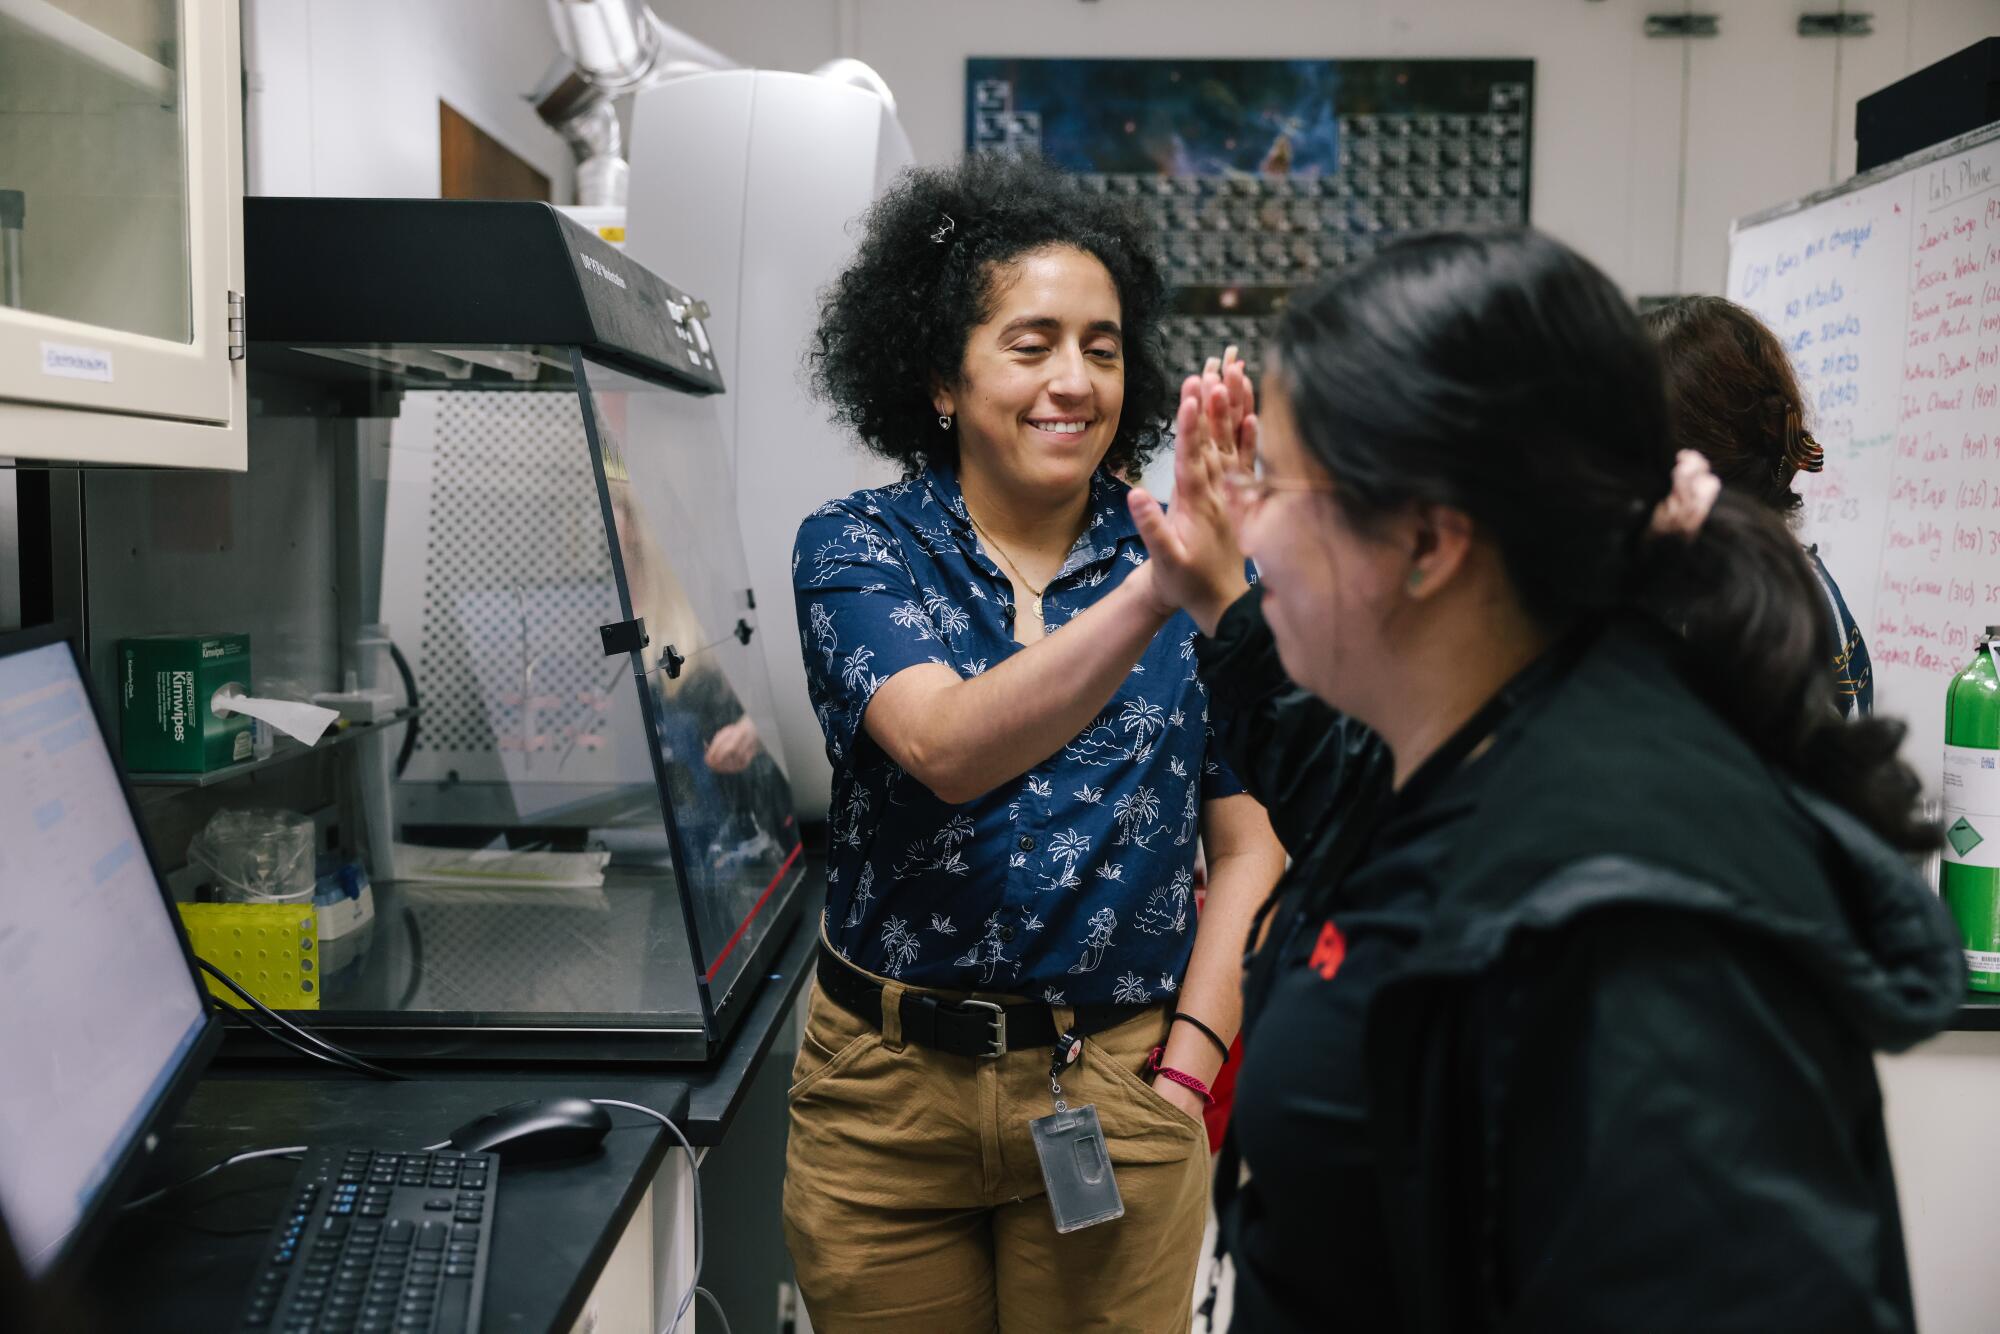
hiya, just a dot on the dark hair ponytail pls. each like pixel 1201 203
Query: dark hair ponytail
pixel 1760 649
pixel 1503 375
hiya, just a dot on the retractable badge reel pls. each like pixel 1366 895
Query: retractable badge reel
pixel 1076 1168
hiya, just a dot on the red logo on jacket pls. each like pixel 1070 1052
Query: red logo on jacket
pixel 1328 951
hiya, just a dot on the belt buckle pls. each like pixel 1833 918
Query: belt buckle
pixel 999 1020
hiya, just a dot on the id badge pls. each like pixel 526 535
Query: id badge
pixel 1076 1168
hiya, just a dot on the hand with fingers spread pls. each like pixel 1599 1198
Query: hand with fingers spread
pixel 1196 563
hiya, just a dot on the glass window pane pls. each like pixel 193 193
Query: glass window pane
pixel 673 503
pixel 93 164
pixel 533 878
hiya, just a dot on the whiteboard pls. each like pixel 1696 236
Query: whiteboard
pixel 1886 294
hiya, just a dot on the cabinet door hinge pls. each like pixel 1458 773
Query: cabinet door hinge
pixel 236 326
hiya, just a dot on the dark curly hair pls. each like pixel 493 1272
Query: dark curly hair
pixel 1734 398
pixel 897 319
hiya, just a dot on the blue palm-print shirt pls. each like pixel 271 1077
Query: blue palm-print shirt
pixel 1072 884
pixel 1853 673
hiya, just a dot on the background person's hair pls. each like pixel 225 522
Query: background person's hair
pixel 1503 375
pixel 896 320
pixel 1732 396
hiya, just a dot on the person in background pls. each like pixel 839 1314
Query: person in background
pixel 1565 1017
pixel 1734 399
pixel 1022 767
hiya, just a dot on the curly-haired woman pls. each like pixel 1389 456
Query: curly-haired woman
pixel 1022 765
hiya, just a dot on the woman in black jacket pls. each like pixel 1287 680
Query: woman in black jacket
pixel 1564 1019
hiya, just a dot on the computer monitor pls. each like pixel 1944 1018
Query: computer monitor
pixel 104 1023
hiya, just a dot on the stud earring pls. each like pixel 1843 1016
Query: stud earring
pixel 1416 580
pixel 944 422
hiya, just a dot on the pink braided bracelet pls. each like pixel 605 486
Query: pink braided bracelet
pixel 1181 1077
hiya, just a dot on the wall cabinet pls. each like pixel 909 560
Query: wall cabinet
pixel 121 254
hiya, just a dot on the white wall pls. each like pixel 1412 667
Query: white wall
pixel 1938 1103
pixel 343 94
pixel 763 34
pixel 1769 115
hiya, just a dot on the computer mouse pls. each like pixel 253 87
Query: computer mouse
pixel 537 1130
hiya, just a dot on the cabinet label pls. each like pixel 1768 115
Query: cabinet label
pixel 76 363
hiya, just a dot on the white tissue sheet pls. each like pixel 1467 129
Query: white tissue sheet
pixel 302 722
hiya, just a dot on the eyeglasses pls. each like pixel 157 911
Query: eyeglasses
pixel 1253 487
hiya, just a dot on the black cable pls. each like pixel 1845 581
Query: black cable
pixel 286 1151
pixel 410 695
pixel 320 1049
pixel 416 939
pixel 243 1017
pixel 337 1054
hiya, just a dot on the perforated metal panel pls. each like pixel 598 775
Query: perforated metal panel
pixel 495 556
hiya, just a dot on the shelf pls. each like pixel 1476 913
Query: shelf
pixel 1979 1012
pixel 286 751
pixel 101 49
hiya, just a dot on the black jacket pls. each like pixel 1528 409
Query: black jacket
pixel 1626 1078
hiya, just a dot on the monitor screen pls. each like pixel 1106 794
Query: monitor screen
pixel 101 1007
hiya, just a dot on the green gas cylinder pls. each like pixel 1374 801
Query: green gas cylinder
pixel 1970 879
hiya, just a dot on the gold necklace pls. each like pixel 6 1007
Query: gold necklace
pixel 1012 564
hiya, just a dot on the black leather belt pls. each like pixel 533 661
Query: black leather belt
pixel 980 1029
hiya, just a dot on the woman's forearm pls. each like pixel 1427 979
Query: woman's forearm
pixel 1213 988
pixel 962 737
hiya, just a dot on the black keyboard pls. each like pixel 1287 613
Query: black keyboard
pixel 378 1241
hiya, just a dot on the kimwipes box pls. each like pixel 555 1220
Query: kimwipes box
pixel 166 688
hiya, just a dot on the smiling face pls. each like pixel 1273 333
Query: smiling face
pixel 1043 379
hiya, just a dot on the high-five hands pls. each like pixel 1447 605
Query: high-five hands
pixel 1196 563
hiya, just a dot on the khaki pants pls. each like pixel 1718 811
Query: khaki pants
pixel 914 1200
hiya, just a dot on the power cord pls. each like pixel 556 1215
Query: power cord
pixel 247 1020
pixel 327 1051
pixel 714 1306
pixel 288 1151
pixel 694 1170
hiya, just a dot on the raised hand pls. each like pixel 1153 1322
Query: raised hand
pixel 1196 563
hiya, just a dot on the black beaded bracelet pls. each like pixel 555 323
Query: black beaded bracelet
pixel 1206 1032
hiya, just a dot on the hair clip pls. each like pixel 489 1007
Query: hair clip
pixel 1802 452
pixel 939 235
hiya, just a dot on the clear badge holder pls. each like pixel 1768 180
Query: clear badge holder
pixel 1076 1165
